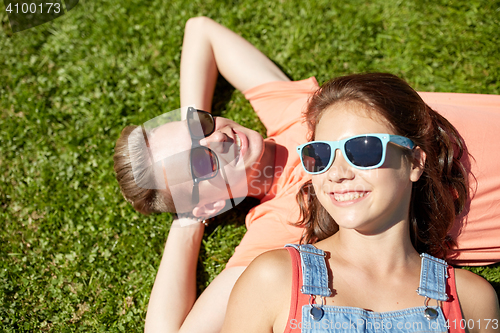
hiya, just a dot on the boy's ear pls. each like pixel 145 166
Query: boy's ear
pixel 417 168
pixel 209 209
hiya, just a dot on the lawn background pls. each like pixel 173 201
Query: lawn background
pixel 74 255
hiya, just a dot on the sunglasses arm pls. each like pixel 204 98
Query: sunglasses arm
pixel 195 198
pixel 401 142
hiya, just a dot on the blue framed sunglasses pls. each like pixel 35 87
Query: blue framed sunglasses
pixel 363 152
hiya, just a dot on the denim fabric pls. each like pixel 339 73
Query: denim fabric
pixel 349 319
pixel 433 271
pixel 314 281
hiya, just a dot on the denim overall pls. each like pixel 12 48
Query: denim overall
pixel 318 318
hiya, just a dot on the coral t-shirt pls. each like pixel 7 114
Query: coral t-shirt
pixel 477 119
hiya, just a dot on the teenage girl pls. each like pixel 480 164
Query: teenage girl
pixel 387 184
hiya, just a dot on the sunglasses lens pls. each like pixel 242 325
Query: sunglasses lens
pixel 203 163
pixel 364 151
pixel 201 124
pixel 315 156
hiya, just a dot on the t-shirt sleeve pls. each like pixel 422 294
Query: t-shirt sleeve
pixel 279 104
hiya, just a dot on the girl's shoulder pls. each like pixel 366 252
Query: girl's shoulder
pixel 478 299
pixel 271 266
pixel 262 291
pixel 268 274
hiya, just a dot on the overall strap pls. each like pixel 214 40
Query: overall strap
pixel 433 275
pixel 314 272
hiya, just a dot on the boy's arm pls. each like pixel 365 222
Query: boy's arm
pixel 172 307
pixel 209 48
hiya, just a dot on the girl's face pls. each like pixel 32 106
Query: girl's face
pixel 369 201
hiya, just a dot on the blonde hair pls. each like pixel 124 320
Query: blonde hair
pixel 131 148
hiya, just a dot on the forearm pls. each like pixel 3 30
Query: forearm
pixel 209 48
pixel 198 67
pixel 174 290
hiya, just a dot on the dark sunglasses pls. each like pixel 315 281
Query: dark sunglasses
pixel 203 161
pixel 364 152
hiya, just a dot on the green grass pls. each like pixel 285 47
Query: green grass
pixel 75 256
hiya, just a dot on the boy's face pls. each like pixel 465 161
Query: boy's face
pixel 236 147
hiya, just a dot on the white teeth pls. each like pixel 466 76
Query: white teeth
pixel 238 148
pixel 348 196
pixel 238 142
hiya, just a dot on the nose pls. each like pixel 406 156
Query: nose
pixel 340 170
pixel 218 142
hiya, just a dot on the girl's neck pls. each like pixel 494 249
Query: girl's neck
pixel 381 252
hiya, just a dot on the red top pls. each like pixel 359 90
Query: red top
pixel 451 308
